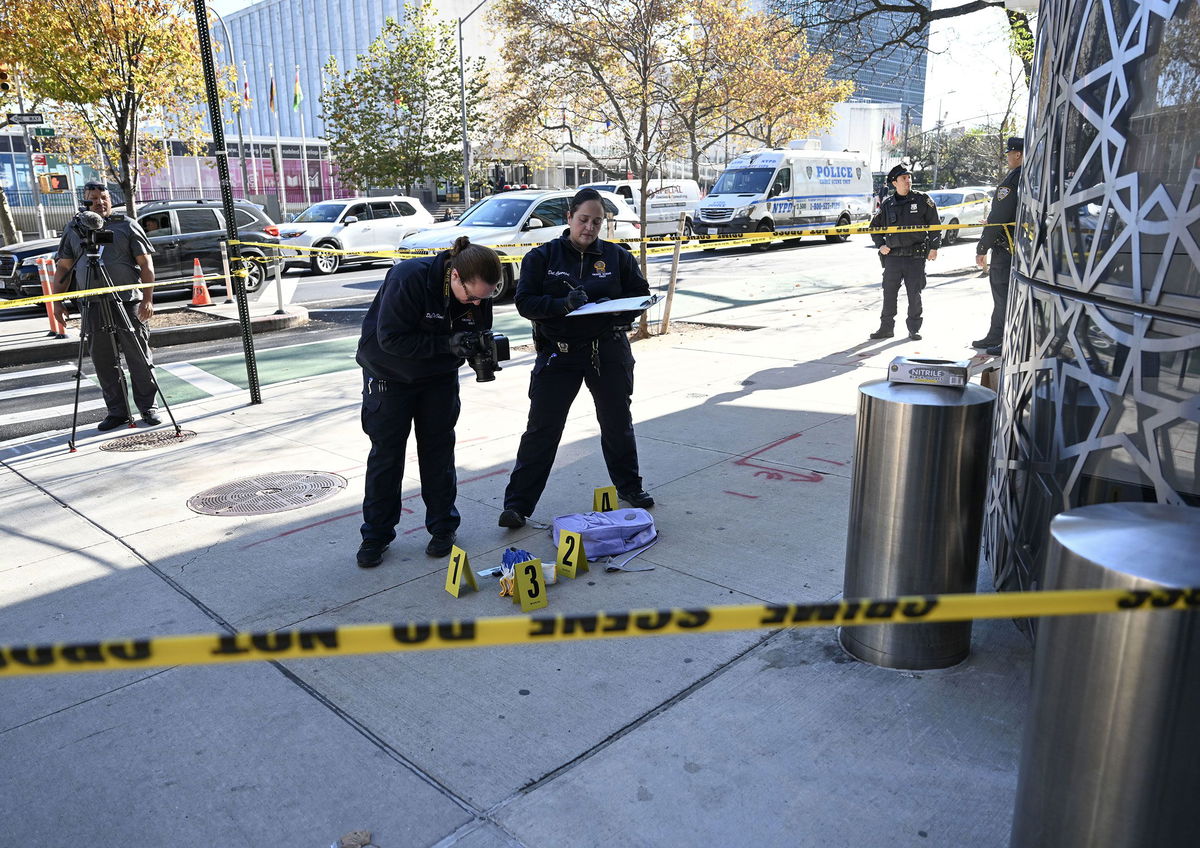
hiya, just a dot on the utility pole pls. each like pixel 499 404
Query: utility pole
pixel 907 111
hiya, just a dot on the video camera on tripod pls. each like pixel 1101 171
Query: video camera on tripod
pixel 90 228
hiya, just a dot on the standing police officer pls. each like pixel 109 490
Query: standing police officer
pixel 903 254
pixel 127 261
pixel 557 278
pixel 425 320
pixel 998 238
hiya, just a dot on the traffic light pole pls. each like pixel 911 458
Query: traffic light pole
pixel 33 183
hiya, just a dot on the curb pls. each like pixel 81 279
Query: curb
pixel 222 328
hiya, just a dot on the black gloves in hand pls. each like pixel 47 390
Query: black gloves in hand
pixel 575 299
pixel 464 344
pixel 604 300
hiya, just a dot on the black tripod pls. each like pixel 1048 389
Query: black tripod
pixel 111 319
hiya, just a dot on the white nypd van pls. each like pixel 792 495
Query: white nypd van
pixel 774 190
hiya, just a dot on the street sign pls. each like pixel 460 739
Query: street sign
pixel 24 118
pixel 38 158
pixel 43 131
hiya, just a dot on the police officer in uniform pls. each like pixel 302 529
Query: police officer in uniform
pixel 127 261
pixel 557 278
pixel 903 254
pixel 426 318
pixel 999 240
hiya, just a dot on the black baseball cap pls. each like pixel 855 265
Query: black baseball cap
pixel 898 171
pixel 1016 144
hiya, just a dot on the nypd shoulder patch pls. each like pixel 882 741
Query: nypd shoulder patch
pixel 1002 192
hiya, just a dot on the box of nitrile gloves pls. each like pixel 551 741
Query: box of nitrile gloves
pixel 929 372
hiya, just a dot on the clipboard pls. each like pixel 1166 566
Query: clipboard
pixel 623 304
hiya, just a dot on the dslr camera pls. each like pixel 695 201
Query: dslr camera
pixel 491 350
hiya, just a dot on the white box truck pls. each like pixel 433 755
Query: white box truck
pixel 787 188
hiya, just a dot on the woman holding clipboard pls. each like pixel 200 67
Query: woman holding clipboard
pixel 591 348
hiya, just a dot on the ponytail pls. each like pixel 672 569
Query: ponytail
pixel 474 261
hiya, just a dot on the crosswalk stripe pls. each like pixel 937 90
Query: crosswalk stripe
pixel 200 378
pixel 46 389
pixel 36 372
pixel 48 412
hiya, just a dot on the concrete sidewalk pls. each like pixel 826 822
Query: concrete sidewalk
pixel 765 739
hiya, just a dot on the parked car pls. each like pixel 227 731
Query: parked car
pixel 369 224
pixel 180 231
pixel 961 206
pixel 666 198
pixel 524 217
pixel 184 230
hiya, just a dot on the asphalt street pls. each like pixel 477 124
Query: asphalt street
pixel 41 398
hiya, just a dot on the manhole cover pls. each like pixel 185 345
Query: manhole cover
pixel 148 440
pixel 267 493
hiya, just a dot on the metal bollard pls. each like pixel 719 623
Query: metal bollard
pixel 1111 757
pixel 916 513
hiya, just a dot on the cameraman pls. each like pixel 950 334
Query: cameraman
pixel 425 320
pixel 127 261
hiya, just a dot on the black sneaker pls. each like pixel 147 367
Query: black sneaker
pixel 984 343
pixel 440 544
pixel 914 337
pixel 370 553
pixel 512 519
pixel 150 417
pixel 641 500
pixel 111 422
pixel 882 334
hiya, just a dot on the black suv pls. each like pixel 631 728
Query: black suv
pixel 180 230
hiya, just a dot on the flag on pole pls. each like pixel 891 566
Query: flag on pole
pixel 246 101
pixel 297 92
pixel 271 96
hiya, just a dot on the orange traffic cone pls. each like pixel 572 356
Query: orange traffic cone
pixel 45 277
pixel 199 289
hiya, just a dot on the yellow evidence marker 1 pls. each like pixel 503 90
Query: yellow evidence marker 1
pixel 459 565
pixel 531 585
pixel 604 499
pixel 572 558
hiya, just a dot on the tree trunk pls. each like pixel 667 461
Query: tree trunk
pixel 7 223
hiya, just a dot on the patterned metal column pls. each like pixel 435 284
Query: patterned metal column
pixel 1100 399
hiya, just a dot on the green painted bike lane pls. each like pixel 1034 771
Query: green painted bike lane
pixel 295 362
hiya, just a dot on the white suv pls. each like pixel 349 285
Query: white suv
pixel 967 205
pixel 352 224
pixel 527 217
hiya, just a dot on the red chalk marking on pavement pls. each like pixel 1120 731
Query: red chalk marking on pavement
pixel 777 473
pixel 821 459
pixel 741 495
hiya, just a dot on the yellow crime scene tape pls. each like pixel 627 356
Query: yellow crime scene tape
pixel 212 648
pixel 705 243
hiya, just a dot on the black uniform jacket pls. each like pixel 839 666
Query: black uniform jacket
pixel 406 334
pixel 912 210
pixel 551 270
pixel 1003 211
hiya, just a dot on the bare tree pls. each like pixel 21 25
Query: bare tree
pixel 862 31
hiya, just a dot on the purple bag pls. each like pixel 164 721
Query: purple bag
pixel 608 534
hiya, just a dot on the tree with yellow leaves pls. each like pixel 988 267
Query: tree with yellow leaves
pixel 123 73
pixel 743 75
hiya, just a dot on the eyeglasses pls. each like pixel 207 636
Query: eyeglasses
pixel 474 298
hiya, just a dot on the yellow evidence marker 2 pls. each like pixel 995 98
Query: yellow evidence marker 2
pixel 531 585
pixel 604 499
pixel 572 558
pixel 460 564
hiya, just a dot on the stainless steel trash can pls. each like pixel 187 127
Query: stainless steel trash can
pixel 1111 757
pixel 916 512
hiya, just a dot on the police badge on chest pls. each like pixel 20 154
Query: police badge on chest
pixel 912 208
